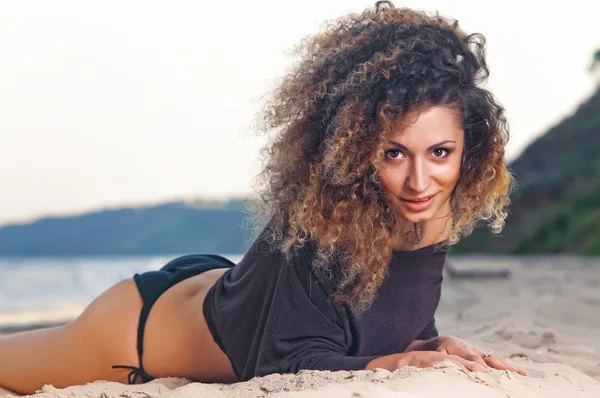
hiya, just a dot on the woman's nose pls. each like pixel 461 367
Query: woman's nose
pixel 418 178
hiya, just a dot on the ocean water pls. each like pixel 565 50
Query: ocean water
pixel 55 287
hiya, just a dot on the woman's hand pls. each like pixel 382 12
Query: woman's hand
pixel 454 346
pixel 422 359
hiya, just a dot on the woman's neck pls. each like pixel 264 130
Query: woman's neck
pixel 431 231
pixel 402 244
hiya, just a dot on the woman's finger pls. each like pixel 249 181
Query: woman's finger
pixel 513 368
pixel 479 359
pixel 474 366
pixel 470 365
pixel 499 363
pixel 495 362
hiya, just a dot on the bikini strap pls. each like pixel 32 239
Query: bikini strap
pixel 135 373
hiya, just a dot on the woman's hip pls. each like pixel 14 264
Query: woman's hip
pixel 173 339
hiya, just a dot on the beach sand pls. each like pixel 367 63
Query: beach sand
pixel 545 318
pixel 445 380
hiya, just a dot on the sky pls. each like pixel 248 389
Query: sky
pixel 123 103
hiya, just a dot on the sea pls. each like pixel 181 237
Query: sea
pixel 46 290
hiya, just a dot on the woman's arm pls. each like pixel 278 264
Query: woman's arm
pixel 307 331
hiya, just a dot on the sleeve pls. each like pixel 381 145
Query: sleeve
pixel 429 332
pixel 310 333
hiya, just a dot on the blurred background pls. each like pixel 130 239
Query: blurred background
pixel 126 136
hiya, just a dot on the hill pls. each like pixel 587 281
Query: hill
pixel 556 207
pixel 170 228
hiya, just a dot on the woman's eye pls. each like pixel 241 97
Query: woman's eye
pixel 441 152
pixel 393 153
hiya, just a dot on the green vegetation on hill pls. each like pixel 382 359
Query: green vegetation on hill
pixel 556 207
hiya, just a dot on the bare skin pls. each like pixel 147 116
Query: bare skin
pixel 177 341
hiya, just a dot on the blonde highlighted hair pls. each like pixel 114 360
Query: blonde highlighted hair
pixel 330 115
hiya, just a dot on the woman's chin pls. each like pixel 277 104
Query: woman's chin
pixel 415 218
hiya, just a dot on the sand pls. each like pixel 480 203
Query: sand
pixel 545 318
pixel 447 380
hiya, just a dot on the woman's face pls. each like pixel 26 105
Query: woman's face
pixel 422 163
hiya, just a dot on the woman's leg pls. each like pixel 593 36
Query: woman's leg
pixel 79 352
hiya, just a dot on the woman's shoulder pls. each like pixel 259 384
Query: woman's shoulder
pixel 268 245
pixel 267 255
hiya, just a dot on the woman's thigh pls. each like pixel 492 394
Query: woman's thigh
pixel 79 352
pixel 111 322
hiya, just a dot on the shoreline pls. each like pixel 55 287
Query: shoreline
pixel 18 321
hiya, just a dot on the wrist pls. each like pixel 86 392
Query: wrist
pixel 424 345
pixel 432 344
pixel 416 345
pixel 404 359
pixel 390 362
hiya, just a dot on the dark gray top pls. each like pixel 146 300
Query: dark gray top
pixel 270 316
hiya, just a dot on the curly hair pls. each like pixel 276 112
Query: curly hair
pixel 331 114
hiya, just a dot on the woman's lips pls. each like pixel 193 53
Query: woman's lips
pixel 418 206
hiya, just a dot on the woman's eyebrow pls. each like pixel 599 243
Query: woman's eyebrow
pixel 400 146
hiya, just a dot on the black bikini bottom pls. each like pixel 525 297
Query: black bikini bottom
pixel 152 284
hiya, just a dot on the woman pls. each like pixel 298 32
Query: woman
pixel 387 152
